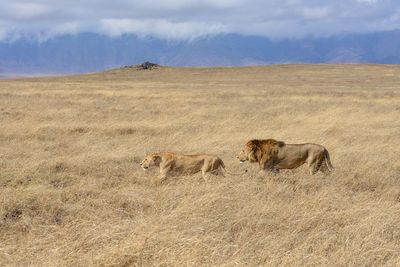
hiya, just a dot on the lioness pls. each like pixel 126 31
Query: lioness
pixel 172 162
pixel 274 155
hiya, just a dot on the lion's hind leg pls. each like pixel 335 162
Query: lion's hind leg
pixel 325 166
pixel 324 169
pixel 318 164
pixel 314 165
pixel 313 168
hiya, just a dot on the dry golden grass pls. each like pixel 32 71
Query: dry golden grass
pixel 72 195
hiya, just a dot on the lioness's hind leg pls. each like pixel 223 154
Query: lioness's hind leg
pixel 220 171
pixel 204 174
pixel 215 167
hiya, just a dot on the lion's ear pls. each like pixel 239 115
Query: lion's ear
pixel 280 143
pixel 252 154
pixel 254 148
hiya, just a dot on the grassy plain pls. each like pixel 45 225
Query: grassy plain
pixel 71 193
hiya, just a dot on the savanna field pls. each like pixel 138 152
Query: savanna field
pixel 72 193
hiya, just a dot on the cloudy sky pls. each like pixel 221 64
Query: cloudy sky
pixel 186 19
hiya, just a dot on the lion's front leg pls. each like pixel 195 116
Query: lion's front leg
pixel 274 169
pixel 268 166
pixel 262 165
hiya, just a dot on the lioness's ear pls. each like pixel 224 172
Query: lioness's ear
pixel 157 158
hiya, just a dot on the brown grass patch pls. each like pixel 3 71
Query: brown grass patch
pixel 73 194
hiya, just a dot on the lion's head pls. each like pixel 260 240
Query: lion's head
pixel 150 160
pixel 257 150
pixel 242 156
pixel 249 153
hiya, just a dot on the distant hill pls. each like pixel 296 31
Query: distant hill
pixel 87 52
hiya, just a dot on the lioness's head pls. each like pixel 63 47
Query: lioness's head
pixel 150 160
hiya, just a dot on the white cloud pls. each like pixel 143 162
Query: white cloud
pixel 187 4
pixel 67 27
pixel 368 1
pixel 161 28
pixel 24 10
pixel 187 19
pixel 3 33
pixel 315 12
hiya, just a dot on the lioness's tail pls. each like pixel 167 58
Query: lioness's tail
pixel 235 173
pixel 232 173
pixel 222 165
pixel 328 161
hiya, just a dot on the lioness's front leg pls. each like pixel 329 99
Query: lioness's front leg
pixel 163 176
pixel 164 170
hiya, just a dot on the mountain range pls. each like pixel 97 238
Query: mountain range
pixel 89 52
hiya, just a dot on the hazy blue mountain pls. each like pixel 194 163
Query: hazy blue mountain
pixel 89 52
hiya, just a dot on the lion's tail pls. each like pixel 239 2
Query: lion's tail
pixel 328 161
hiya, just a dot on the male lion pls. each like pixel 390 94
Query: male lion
pixel 274 155
pixel 172 162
